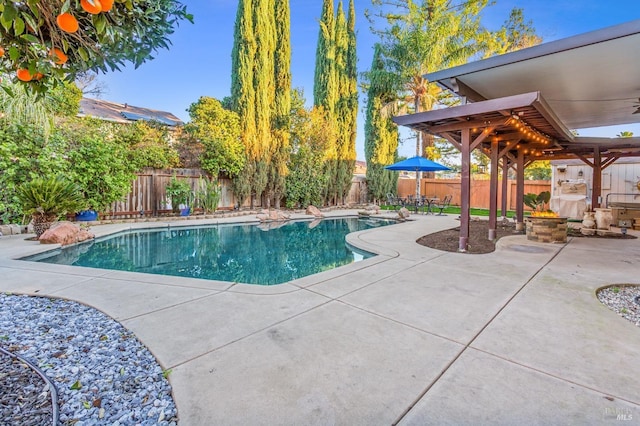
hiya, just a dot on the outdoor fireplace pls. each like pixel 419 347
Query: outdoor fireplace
pixel 546 228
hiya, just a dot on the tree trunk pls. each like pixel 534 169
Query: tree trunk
pixel 42 222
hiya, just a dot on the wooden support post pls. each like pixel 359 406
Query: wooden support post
pixel 465 190
pixel 505 187
pixel 596 191
pixel 520 191
pixel 493 190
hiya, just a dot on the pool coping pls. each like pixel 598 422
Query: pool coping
pixel 356 239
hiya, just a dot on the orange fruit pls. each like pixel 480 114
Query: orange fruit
pixel 106 5
pixel 67 22
pixel 1 51
pixel 92 6
pixel 24 75
pixel 38 76
pixel 58 56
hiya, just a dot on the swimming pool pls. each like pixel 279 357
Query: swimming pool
pixel 263 254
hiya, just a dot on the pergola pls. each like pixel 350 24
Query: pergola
pixel 520 107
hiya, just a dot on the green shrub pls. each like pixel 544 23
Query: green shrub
pixel 208 195
pixel 179 192
pixel 47 199
pixel 537 202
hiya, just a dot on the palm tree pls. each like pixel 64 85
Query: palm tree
pixel 47 199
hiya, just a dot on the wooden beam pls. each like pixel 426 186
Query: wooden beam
pixel 481 137
pixel 596 192
pixel 493 191
pixel 505 186
pixel 465 190
pixel 451 138
pixel 585 160
pixel 609 161
pixel 520 191
pixel 466 91
pixel 466 125
pixel 507 148
pixel 469 110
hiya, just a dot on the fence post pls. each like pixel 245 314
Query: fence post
pixel 154 194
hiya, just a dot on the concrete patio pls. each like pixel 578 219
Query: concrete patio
pixel 412 336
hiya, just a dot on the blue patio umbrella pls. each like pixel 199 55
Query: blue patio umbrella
pixel 417 164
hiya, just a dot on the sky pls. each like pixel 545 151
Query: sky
pixel 198 62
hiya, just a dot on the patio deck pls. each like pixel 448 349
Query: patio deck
pixel 413 336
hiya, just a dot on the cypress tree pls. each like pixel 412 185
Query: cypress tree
pixel 264 80
pixel 343 167
pixel 348 102
pixel 282 104
pixel 325 91
pixel 381 134
pixel 243 98
pixel 324 85
pixel 352 83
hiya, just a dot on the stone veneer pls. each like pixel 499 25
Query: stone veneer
pixel 547 229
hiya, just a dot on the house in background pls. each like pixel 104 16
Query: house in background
pixel 124 113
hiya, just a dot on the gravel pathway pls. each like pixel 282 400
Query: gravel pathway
pixel 624 300
pixel 103 374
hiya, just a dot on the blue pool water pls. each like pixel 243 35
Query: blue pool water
pixel 255 254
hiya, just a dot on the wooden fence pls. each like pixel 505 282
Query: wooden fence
pixel 148 196
pixel 479 190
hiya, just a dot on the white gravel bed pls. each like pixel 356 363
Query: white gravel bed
pixel 103 374
pixel 624 299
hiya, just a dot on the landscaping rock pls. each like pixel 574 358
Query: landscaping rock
pixel 65 233
pixel 12 229
pixel 372 208
pixel 403 213
pixel 272 216
pixel 314 211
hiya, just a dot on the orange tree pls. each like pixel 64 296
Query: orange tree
pixel 44 42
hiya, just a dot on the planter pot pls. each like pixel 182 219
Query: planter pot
pixel 87 216
pixel 588 220
pixel 604 217
pixel 185 211
pixel 547 229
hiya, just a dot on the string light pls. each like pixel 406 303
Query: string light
pixel 528 130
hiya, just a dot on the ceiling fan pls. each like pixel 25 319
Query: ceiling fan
pixel 637 106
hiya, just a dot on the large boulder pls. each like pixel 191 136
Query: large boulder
pixel 403 213
pixel 314 211
pixel 272 216
pixel 65 233
pixel 372 208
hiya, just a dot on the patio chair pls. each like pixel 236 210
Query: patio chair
pixel 392 201
pixel 443 205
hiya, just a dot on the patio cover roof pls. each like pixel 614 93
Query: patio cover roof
pixel 589 80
